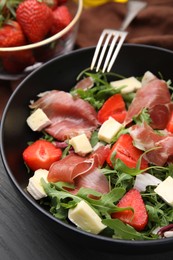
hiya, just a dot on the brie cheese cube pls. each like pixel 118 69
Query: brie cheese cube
pixel 34 186
pixel 168 234
pixel 81 144
pixel 38 120
pixel 109 129
pixel 165 190
pixel 131 84
pixel 84 217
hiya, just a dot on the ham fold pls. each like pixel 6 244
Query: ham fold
pixel 156 98
pixel 145 138
pixel 70 116
pixel 82 171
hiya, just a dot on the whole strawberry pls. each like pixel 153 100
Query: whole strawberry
pixel 61 18
pixel 11 35
pixel 35 19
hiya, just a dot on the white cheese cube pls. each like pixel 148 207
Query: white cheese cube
pixel 165 190
pixel 81 144
pixel 38 120
pixel 34 186
pixel 109 129
pixel 84 217
pixel 168 234
pixel 131 84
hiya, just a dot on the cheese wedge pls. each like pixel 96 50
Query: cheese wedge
pixel 130 84
pixel 84 217
pixel 38 120
pixel 165 190
pixel 81 144
pixel 109 129
pixel 34 186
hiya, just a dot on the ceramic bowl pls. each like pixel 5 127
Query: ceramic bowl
pixel 61 73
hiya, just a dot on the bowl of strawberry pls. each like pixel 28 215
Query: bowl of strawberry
pixel 35 31
pixel 91 153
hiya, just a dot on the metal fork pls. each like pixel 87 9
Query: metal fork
pixel 112 40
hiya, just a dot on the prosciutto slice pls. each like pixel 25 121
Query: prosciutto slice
pixel 146 138
pixel 70 116
pixel 156 98
pixel 81 171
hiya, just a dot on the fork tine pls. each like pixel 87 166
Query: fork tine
pixel 99 44
pixel 120 43
pixel 115 35
pixel 108 37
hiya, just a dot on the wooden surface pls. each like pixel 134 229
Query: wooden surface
pixel 24 237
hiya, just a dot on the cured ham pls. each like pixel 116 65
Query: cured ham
pixel 156 98
pixel 70 116
pixel 100 155
pixel 145 139
pixel 85 83
pixel 65 169
pixel 94 180
pixel 81 171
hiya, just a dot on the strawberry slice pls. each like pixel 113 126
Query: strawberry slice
pixel 127 152
pixel 114 107
pixel 169 126
pixel 138 218
pixel 41 154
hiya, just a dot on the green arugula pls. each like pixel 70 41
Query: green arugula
pixel 101 90
pixel 122 230
pixel 121 178
pixel 103 204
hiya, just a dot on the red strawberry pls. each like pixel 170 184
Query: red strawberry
pixel 137 219
pixel 127 152
pixel 114 107
pixel 16 62
pixel 41 154
pixel 62 18
pixel 35 19
pixel 11 35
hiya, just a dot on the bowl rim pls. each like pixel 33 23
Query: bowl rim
pixel 52 38
pixel 133 244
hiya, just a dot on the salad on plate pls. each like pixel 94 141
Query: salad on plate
pixel 104 159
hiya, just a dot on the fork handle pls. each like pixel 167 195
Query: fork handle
pixel 134 7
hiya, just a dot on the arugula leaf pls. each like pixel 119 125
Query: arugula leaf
pixel 144 116
pixel 94 138
pixel 105 204
pixel 66 150
pixel 101 90
pixel 122 167
pixel 122 230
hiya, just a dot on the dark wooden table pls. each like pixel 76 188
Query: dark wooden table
pixel 24 237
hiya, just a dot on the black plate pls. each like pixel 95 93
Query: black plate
pixel 61 73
